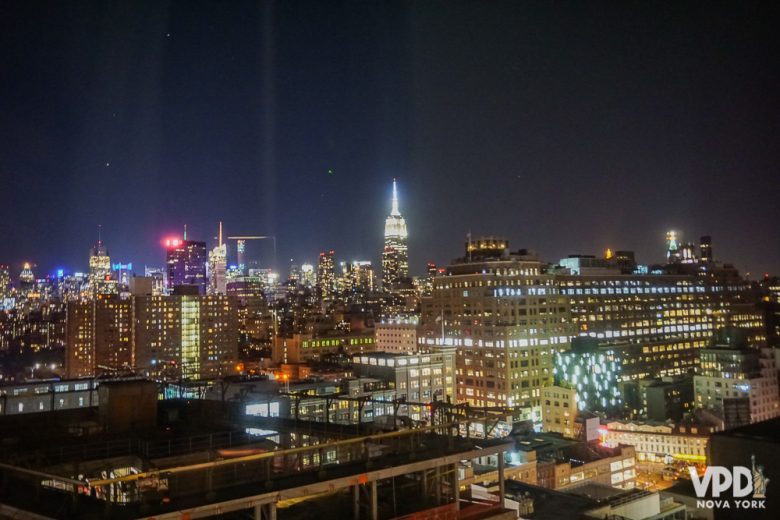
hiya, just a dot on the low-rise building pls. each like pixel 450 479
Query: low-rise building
pixel 660 442
pixel 300 348
pixel 421 377
pixel 559 410
pixel 397 336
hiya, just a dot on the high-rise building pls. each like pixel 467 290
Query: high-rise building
pixel 26 279
pixel 395 258
pixel 672 247
pixel 507 320
pixel 308 275
pixel 688 253
pixel 186 262
pixel 190 337
pixel 705 250
pixel 99 263
pixel 361 276
pixel 166 337
pixel 326 275
pixel 217 272
pixel 5 283
pixel 99 336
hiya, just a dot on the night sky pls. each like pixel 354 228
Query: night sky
pixel 566 127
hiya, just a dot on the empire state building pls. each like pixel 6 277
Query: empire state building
pixel 395 257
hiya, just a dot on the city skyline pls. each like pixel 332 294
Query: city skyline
pixel 544 129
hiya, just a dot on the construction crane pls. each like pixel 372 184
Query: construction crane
pixel 241 248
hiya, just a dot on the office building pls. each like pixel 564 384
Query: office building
pixel 660 399
pixel 657 322
pixel 100 281
pixel 737 381
pixel 395 257
pixel 308 276
pixel 302 348
pixel 592 372
pixel 397 336
pixel 507 320
pixel 217 267
pixel 705 250
pixel 186 263
pixel 421 377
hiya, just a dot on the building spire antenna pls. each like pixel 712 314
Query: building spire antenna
pixel 220 234
pixel 185 231
pixel 394 211
pixel 100 233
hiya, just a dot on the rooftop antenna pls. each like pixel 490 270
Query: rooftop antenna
pixel 100 230
pixel 220 233
pixel 185 232
pixel 394 211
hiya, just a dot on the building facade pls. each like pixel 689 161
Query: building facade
pixel 505 317
pixel 395 255
pixel 421 377
pixel 397 336
pixel 164 337
pixel 735 378
pixel 186 264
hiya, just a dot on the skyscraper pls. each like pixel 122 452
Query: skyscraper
pixel 26 279
pixel 218 267
pixel 672 247
pixel 5 282
pixel 326 275
pixel 705 249
pixel 100 270
pixel 186 261
pixel 395 258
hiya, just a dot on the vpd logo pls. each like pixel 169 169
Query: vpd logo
pixel 740 480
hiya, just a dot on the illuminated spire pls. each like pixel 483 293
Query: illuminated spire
pixel 185 231
pixel 220 234
pixel 394 211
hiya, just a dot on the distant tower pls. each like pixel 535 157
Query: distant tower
pixel 705 249
pixel 26 278
pixel 326 275
pixel 5 283
pixel 241 255
pixel 309 276
pixel 672 247
pixel 100 267
pixel 186 263
pixel 395 257
pixel 218 267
